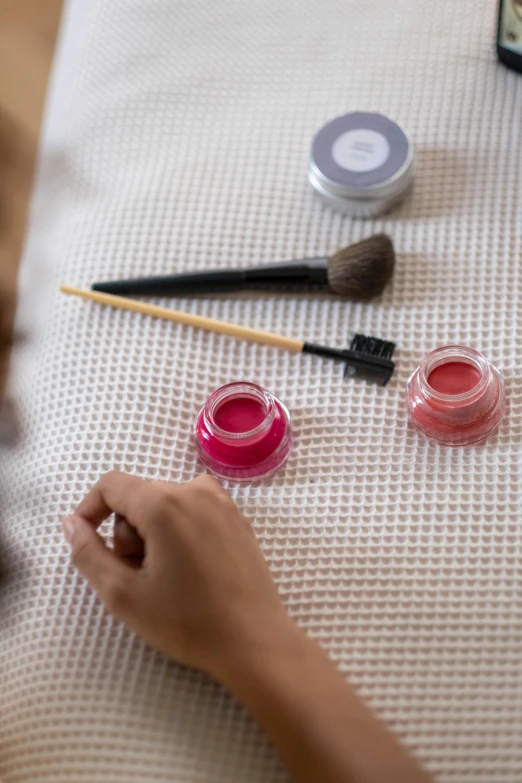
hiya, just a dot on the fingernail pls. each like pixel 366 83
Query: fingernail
pixel 69 528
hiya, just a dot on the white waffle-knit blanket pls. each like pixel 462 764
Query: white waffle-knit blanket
pixel 177 138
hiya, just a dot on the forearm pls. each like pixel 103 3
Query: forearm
pixel 320 727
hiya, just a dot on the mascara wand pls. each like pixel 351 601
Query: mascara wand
pixel 358 272
pixel 367 357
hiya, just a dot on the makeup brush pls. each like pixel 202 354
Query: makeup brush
pixel 358 272
pixel 368 357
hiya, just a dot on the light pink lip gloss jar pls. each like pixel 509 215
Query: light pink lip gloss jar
pixel 243 432
pixel 456 396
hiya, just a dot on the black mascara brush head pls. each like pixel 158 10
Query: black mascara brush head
pixel 369 358
pixel 361 271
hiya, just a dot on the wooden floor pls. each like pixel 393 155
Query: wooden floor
pixel 28 31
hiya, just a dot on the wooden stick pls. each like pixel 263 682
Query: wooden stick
pixel 199 321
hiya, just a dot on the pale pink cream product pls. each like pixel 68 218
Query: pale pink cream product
pixel 456 396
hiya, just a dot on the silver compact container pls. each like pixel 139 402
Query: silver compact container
pixel 362 164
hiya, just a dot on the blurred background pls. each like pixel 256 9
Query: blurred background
pixel 28 30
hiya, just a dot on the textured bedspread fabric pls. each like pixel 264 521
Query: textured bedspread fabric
pixel 178 138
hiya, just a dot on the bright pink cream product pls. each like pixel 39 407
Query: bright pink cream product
pixel 456 396
pixel 243 432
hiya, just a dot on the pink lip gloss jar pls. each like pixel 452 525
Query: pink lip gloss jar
pixel 456 396
pixel 243 432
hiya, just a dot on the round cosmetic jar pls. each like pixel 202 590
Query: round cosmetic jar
pixel 243 432
pixel 362 164
pixel 456 396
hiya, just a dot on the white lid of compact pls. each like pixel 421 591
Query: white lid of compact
pixel 362 163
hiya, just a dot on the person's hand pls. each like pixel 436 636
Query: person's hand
pixel 189 577
pixel 203 587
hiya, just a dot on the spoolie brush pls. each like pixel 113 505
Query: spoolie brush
pixel 358 272
pixel 366 357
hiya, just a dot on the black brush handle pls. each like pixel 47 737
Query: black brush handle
pixel 307 274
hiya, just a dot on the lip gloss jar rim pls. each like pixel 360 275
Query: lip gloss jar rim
pixel 449 354
pixel 235 389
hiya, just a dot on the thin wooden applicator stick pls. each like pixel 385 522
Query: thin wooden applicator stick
pixel 210 324
pixel 366 356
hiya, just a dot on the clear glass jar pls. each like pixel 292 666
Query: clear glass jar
pixel 456 396
pixel 243 432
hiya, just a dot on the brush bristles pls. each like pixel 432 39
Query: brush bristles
pixel 362 270
pixel 372 346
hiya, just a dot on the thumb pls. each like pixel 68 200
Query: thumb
pixel 108 576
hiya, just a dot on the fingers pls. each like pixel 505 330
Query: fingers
pixel 127 543
pixel 113 581
pixel 113 492
pixel 136 499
